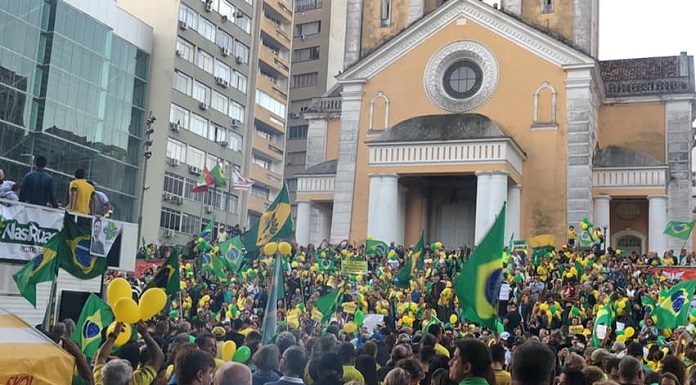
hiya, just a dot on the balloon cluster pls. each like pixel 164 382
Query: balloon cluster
pixel 231 353
pixel 271 248
pixel 119 296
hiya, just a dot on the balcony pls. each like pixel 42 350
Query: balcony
pixel 272 120
pixel 268 148
pixel 257 204
pixel 326 105
pixel 316 183
pixel 266 177
pixel 281 8
pixel 274 61
pixel 267 85
pixel 276 31
pixel 629 177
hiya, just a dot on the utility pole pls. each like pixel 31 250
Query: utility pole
pixel 147 154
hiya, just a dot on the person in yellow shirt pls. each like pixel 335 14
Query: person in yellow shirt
pixel 81 193
pixel 502 376
pixel 347 355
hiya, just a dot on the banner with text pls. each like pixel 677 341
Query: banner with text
pixel 354 266
pixel 675 273
pixel 25 229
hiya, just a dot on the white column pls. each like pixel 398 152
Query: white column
pixel 323 225
pixel 483 184
pixel 383 209
pixel 657 221
pixel 512 220
pixel 498 194
pixel 601 215
pixel 304 210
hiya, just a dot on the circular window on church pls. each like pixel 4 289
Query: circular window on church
pixel 462 79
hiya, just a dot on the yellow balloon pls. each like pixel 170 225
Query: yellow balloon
pixel 621 338
pixel 293 323
pixel 350 327
pixel 123 337
pixel 284 248
pixel 228 350
pixel 126 310
pixel 152 302
pixel 270 248
pixel 453 319
pixel 359 278
pixel 667 333
pixel 629 332
pixel 117 289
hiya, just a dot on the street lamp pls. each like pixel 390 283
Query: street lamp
pixel 604 237
pixel 147 154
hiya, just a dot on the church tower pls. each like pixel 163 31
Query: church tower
pixel 574 21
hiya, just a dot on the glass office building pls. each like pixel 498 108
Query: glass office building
pixel 75 91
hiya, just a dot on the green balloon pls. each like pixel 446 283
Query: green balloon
pixel 192 339
pixel 499 327
pixel 359 317
pixel 174 313
pixel 660 340
pixel 552 308
pixel 242 355
pixel 575 311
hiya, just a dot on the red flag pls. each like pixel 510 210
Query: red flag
pixel 204 180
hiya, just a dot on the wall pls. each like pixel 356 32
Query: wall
pixel 373 34
pixel 638 224
pixel 560 21
pixel 639 127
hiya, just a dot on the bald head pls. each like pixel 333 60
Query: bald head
pixel 232 373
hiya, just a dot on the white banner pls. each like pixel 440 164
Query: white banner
pixel 104 233
pixel 25 229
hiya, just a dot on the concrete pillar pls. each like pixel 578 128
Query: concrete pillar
pixel 498 194
pixel 483 183
pixel 657 221
pixel 602 215
pixel 353 32
pixel 383 207
pixel 323 224
pixel 512 220
pixel 304 210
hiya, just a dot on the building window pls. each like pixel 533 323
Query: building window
pixel 201 92
pixel 260 192
pixel 179 115
pixel 195 157
pixel 241 51
pixel 305 54
pixel 189 224
pixel 224 40
pixel 204 61
pixel 206 29
pixel 462 79
pixel 546 6
pixel 182 82
pixel 170 219
pixel 307 29
pixel 231 203
pixel 219 102
pixel 263 163
pixel 198 125
pixel 234 141
pixel 188 16
pixel 305 80
pixel 174 184
pixel 295 159
pixel 239 81
pixel 244 22
pixel 307 5
pixel 217 133
pixel 269 103
pixel 298 132
pixel 222 70
pixel 385 13
pixel 184 49
pixel 236 111
pixel 176 150
pixel 226 9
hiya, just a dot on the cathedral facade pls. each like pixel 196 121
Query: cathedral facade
pixel 447 111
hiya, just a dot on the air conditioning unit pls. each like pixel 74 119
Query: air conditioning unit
pixel 168 233
pixel 239 60
pixel 183 25
pixel 179 200
pixel 167 196
pixel 225 83
pixel 219 81
pixel 209 209
pixel 222 143
pixel 236 123
pixel 174 127
pixel 174 162
pixel 239 14
pixel 208 6
pixel 225 51
pixel 225 18
pixel 302 37
pixel 178 53
pixel 194 170
pixel 203 106
pixel 294 115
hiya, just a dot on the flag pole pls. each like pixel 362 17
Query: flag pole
pixel 228 171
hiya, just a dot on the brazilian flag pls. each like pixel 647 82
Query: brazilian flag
pixel 326 264
pixel 375 247
pixel 603 320
pixel 673 310
pixel 649 305
pixel 414 260
pixel 274 225
pixel 233 252
pixel 95 317
pixel 77 260
pixel 478 283
pixel 681 230
pixel 326 304
pixel 43 267
pixel 167 276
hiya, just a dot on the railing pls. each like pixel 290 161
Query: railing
pixel 629 177
pixel 332 104
pixel 316 183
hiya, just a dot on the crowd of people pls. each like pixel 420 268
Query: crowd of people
pixel 547 308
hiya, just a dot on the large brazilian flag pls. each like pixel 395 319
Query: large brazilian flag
pixel 95 316
pixel 681 230
pixel 274 225
pixel 478 283
pixel 673 309
pixel 43 267
pixel 77 260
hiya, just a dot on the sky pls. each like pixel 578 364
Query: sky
pixel 642 28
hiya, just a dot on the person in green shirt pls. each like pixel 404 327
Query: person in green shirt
pixel 470 363
pixel 533 363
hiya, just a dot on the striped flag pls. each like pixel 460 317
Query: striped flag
pixel 240 182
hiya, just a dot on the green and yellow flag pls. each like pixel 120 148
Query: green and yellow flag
pixel 603 320
pixel 274 225
pixel 375 247
pixel 218 174
pixel 413 261
pixel 478 283
pixel 167 276
pixel 43 267
pixel 233 252
pixel 673 310
pixel 326 304
pixel 681 230
pixel 94 318
pixel 77 259
pixel 649 305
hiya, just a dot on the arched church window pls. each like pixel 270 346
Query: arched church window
pixel 547 6
pixel 385 13
pixel 545 103
pixel 379 112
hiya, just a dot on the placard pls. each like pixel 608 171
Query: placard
pixel 354 266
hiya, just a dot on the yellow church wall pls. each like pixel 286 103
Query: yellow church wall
pixel 559 21
pixel 639 127
pixel 511 107
pixel 314 197
pixel 373 34
pixel 333 138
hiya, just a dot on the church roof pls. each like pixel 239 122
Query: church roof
pixel 614 156
pixel 324 168
pixel 648 76
pixel 442 128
